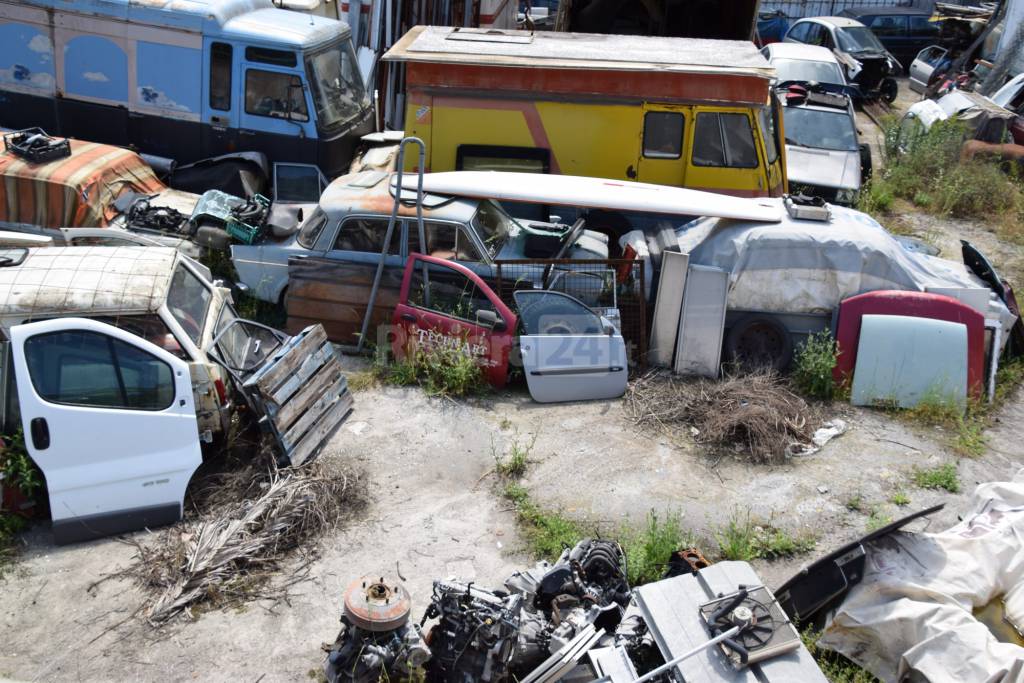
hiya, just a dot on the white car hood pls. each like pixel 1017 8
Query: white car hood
pixel 823 167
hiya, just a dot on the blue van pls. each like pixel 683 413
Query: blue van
pixel 187 79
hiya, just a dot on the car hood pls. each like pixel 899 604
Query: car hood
pixel 823 167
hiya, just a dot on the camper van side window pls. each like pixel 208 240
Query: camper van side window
pixel 273 94
pixel 220 76
pixel 724 140
pixel 663 135
pixel 268 56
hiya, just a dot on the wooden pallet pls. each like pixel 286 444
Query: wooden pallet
pixel 303 394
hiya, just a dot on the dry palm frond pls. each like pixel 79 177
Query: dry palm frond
pixel 756 413
pixel 231 553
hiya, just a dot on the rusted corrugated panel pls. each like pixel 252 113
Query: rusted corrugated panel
pixel 652 86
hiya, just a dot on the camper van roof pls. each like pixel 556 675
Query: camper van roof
pixel 249 18
pixel 440 44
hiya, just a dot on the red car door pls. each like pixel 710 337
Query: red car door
pixel 443 304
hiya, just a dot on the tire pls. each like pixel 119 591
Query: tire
pixel 758 341
pixel 888 90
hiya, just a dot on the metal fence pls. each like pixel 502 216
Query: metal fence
pixel 798 9
pixel 614 288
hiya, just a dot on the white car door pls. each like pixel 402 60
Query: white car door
pixel 110 420
pixel 569 352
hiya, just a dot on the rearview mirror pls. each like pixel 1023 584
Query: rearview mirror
pixel 490 319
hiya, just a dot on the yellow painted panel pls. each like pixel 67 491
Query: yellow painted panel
pixel 454 126
pixel 418 119
pixel 746 181
pixel 665 171
pixel 601 140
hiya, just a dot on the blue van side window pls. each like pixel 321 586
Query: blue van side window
pixel 220 76
pixel 274 94
pixel 27 58
pixel 159 68
pixel 96 67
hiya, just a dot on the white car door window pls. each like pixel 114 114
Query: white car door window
pixel 568 352
pixel 110 420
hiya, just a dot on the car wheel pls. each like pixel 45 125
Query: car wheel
pixel 889 90
pixel 759 341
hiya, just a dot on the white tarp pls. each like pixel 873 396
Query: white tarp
pixel 911 618
pixel 802 266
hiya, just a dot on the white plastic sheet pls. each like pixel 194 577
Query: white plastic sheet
pixel 911 616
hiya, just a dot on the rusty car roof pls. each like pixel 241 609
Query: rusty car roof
pixel 443 44
pixel 369 192
pixel 59 281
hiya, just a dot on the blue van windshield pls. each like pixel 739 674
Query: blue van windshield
pixel 337 87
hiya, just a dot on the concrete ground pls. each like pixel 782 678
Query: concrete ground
pixel 434 512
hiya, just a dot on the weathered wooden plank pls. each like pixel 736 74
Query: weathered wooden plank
pixel 321 430
pixel 286 359
pixel 312 390
pixel 313 412
pixel 309 367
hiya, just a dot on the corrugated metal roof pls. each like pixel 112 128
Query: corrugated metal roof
pixel 86 280
pixel 439 44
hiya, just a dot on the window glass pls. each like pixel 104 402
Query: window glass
pixel 492 224
pixel 502 158
pixel 767 122
pixel 725 140
pixel 187 299
pixel 858 39
pixel 663 135
pixel 220 76
pixel 310 231
pixel 799 32
pixel 807 70
pixel 543 312
pixel 448 292
pixel 337 87
pixel 243 345
pixel 444 240
pixel 923 26
pixel 815 34
pixel 296 183
pixel 84 368
pixel 269 56
pixel 889 25
pixel 367 234
pixel 273 94
pixel 149 327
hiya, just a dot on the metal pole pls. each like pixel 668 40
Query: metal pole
pixel 697 650
pixel 391 228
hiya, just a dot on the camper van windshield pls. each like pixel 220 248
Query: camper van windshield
pixel 336 84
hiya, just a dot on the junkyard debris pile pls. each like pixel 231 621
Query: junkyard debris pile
pixel 756 413
pixel 233 550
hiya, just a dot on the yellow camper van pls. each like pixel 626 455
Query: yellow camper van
pixel 684 112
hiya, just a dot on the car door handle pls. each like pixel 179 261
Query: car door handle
pixel 409 317
pixel 40 433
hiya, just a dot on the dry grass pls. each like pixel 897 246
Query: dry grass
pixel 755 414
pixel 251 521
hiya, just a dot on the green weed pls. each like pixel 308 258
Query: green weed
pixel 900 498
pixel 649 548
pixel 546 532
pixel 440 371
pixel 744 539
pixel 876 520
pixel 17 467
pixel 855 503
pixel 513 464
pixel 941 477
pixel 813 364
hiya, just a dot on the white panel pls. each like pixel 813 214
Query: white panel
pixel 667 307
pixel 702 322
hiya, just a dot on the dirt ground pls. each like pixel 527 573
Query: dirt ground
pixel 434 513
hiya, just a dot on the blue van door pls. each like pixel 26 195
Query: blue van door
pixel 276 116
pixel 220 100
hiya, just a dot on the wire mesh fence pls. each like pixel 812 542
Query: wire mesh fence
pixel 613 288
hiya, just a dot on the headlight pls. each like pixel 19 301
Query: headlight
pixel 846 197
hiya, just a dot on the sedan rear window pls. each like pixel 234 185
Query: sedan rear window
pixel 310 231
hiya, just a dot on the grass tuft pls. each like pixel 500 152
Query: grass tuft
pixel 744 539
pixel 546 532
pixel 813 365
pixel 439 371
pixel 649 548
pixel 900 498
pixel 941 477
pixel 837 668
pixel 513 464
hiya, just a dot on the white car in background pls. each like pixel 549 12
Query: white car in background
pixel 809 63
